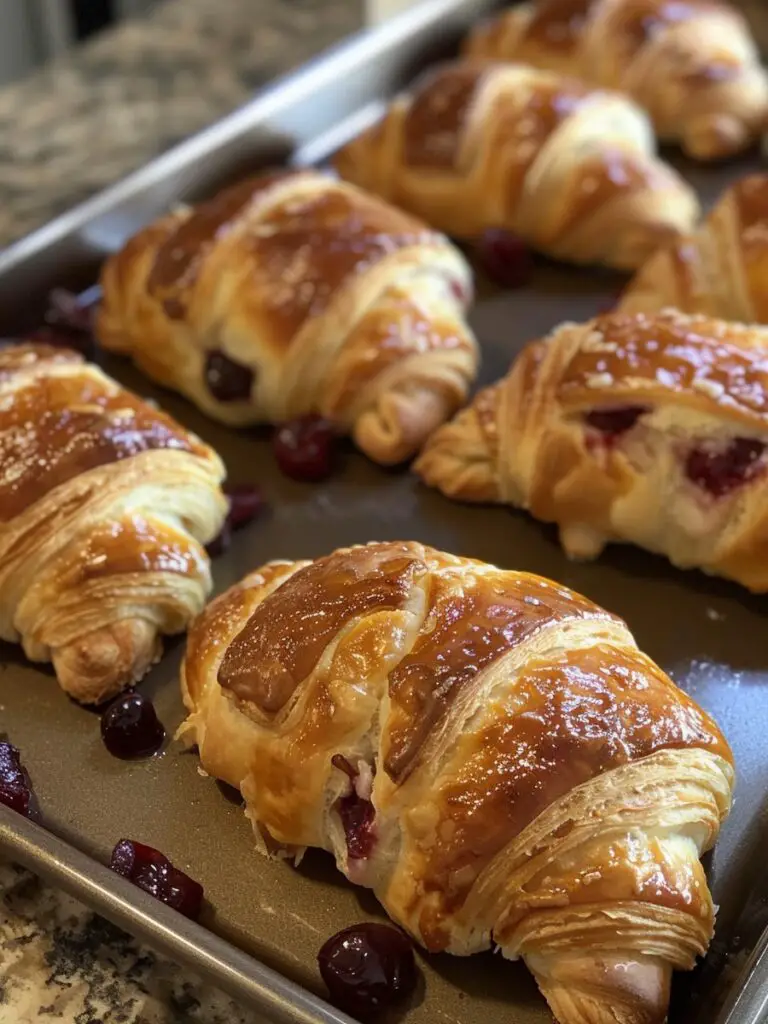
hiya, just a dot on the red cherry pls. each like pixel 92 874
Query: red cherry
pixel 368 968
pixel 151 871
pixel 505 258
pixel 15 788
pixel 130 727
pixel 305 448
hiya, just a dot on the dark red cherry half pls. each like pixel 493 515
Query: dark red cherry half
pixel 15 787
pixel 305 448
pixel 368 969
pixel 151 871
pixel 130 727
pixel 505 258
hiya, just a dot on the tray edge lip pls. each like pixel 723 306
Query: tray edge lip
pixel 363 44
pixel 202 950
pixel 294 85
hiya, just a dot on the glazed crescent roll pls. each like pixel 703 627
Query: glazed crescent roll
pixel 292 294
pixel 692 65
pixel 105 505
pixel 648 429
pixel 720 270
pixel 485 749
pixel 569 169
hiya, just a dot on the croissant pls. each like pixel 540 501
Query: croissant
pixel 105 504
pixel 692 65
pixel 570 170
pixel 650 429
pixel 720 270
pixel 485 749
pixel 293 294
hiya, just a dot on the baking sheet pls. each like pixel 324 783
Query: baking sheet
pixel 708 634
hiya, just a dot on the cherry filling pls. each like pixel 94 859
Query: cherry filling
pixel 505 258
pixel 357 818
pixel 15 788
pixel 356 811
pixel 305 448
pixel 130 727
pixel 719 471
pixel 227 380
pixel 612 423
pixel 368 968
pixel 151 871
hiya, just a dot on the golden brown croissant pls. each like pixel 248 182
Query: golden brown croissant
pixel 720 270
pixel 691 64
pixel 485 749
pixel 293 294
pixel 571 170
pixel 650 429
pixel 105 504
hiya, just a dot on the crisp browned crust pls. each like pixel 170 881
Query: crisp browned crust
pixel 689 384
pixel 331 300
pixel 721 270
pixel 571 170
pixel 692 65
pixel 530 773
pixel 105 505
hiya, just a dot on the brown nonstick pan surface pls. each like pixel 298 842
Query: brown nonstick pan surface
pixel 709 635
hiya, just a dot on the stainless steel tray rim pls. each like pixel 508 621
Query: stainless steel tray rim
pixel 376 62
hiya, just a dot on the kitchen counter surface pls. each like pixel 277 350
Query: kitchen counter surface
pixel 65 133
pixel 116 102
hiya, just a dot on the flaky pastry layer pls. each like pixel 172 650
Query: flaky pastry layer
pixel 692 65
pixel 293 294
pixel 571 170
pixel 105 507
pixel 650 429
pixel 485 749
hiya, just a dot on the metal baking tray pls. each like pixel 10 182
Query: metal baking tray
pixel 266 921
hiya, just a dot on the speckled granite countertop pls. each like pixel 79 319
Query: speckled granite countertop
pixel 115 103
pixel 65 133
